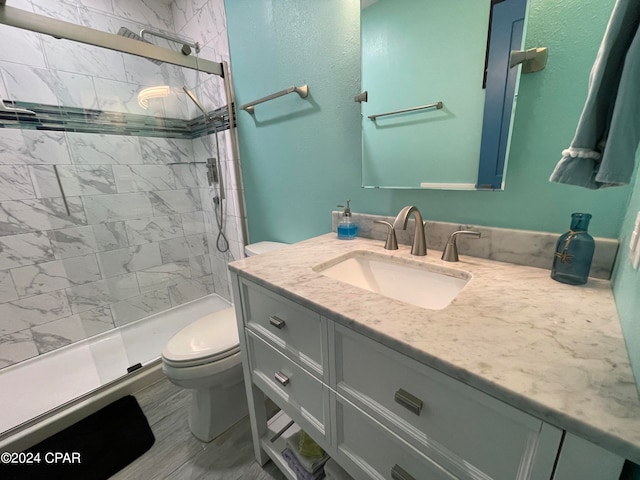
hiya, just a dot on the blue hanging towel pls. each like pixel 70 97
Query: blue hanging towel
pixel 603 150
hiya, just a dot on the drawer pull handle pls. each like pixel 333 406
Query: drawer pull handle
pixel 276 322
pixel 399 473
pixel 282 378
pixel 408 401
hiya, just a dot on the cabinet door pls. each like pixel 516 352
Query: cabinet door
pixel 294 330
pixel 583 460
pixel 292 388
pixel 369 450
pixel 472 434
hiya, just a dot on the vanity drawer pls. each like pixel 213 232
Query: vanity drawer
pixel 375 452
pixel 299 394
pixel 292 329
pixel 447 420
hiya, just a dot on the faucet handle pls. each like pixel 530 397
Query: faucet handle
pixel 392 242
pixel 450 252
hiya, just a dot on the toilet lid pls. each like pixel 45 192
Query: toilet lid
pixel 210 338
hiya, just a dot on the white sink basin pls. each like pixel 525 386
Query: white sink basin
pixel 422 285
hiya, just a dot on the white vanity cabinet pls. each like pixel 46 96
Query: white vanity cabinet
pixel 285 349
pixel 465 431
pixel 377 412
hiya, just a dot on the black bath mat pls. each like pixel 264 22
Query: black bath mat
pixel 94 448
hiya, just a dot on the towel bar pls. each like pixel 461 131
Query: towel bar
pixel 437 105
pixel 303 91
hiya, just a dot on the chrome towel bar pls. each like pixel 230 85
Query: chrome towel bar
pixel 437 106
pixel 303 91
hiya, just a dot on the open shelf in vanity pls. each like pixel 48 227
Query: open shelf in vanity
pixel 279 428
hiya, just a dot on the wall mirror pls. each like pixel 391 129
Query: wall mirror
pixel 440 92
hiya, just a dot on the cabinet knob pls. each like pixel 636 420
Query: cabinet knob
pixel 282 378
pixel 276 321
pixel 399 473
pixel 408 401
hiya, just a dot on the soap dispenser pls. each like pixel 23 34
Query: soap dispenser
pixel 347 230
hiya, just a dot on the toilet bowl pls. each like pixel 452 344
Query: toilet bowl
pixel 205 357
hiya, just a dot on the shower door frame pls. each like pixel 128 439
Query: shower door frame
pixel 34 22
pixel 42 426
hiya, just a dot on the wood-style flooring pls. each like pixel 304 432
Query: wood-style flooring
pixel 178 455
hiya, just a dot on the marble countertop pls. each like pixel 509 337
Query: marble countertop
pixel 553 350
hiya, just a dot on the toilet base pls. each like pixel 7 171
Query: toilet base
pixel 214 410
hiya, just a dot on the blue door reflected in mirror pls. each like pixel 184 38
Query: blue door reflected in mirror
pixel 506 31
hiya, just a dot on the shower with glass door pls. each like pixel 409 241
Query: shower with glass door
pixel 119 178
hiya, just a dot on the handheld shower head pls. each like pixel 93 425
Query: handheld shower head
pixel 195 100
pixel 208 117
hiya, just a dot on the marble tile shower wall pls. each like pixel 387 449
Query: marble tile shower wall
pixel 41 69
pixel 141 232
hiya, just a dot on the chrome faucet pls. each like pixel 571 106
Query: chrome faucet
pixel 419 246
pixel 392 242
pixel 450 252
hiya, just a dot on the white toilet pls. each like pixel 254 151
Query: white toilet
pixel 205 357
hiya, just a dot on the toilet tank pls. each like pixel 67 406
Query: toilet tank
pixel 262 247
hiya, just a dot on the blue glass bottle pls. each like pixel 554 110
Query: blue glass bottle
pixel 574 252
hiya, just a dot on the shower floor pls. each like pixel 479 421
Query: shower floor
pixel 41 384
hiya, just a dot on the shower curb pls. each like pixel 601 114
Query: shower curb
pixel 38 429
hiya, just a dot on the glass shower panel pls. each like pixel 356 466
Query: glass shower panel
pixel 102 220
pixel 108 224
pixel 174 177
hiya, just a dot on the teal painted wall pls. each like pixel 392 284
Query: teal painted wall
pixel 626 285
pixel 298 156
pixel 302 157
